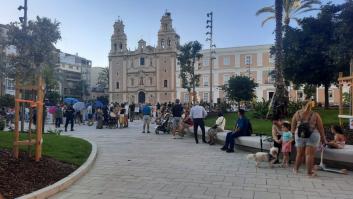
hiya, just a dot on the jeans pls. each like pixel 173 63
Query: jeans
pixel 146 122
pixel 199 122
pixel 230 140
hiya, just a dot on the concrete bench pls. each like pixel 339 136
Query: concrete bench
pixel 334 157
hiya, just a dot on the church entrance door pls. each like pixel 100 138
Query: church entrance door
pixel 142 97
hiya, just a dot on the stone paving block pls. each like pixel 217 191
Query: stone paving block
pixel 135 165
pixel 242 194
pixel 266 195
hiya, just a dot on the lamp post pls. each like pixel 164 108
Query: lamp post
pixel 209 35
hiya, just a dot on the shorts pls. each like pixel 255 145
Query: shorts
pixel 312 141
pixel 176 122
pixel 146 119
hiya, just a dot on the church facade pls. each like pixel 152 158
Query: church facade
pixel 146 74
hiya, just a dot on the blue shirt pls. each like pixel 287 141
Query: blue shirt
pixel 243 124
pixel 146 110
pixel 286 136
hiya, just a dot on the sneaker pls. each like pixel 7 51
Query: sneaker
pixel 148 131
pixel 230 151
pixel 143 131
pixel 224 149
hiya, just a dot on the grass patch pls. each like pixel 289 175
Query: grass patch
pixel 329 117
pixel 64 148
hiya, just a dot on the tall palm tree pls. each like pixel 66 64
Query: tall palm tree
pixel 279 102
pixel 291 10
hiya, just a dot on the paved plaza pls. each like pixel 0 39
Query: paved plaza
pixel 135 165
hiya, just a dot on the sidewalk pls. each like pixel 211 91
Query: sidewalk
pixel 149 166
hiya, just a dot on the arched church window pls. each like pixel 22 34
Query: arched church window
pixel 162 43
pixel 142 61
pixel 117 74
pixel 169 42
pixel 117 85
pixel 115 47
pixel 121 46
pixel 165 83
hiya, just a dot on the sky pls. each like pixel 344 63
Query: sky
pixel 87 25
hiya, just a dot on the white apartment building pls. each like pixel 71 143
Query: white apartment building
pixel 253 61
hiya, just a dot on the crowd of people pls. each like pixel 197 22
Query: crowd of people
pixel 302 135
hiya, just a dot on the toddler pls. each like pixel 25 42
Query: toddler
pixel 339 140
pixel 287 139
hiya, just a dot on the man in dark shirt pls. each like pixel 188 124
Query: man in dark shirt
pixel 177 111
pixel 69 114
pixel 242 128
pixel 131 112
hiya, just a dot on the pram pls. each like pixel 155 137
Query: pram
pixel 112 120
pixel 165 124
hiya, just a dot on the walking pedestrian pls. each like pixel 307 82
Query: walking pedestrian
pixel 69 114
pixel 197 114
pixel 177 111
pixel 146 111
pixel 58 116
pixel 131 112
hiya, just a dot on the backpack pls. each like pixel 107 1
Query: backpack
pixel 304 130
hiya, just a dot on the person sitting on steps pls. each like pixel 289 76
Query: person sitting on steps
pixel 242 128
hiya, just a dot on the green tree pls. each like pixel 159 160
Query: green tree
pixel 307 51
pixel 35 47
pixel 53 97
pixel 7 101
pixel 291 10
pixel 103 78
pixel 343 48
pixel 240 88
pixel 188 56
pixel 310 90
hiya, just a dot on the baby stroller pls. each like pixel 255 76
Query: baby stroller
pixel 165 124
pixel 112 120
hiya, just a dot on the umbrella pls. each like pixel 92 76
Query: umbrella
pixel 70 100
pixel 78 106
pixel 52 109
pixel 98 104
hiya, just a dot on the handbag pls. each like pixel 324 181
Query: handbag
pixel 304 130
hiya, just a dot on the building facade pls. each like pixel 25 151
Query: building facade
pixel 71 71
pixel 148 73
pixel 7 85
pixel 252 61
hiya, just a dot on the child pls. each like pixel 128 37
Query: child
pixel 339 140
pixel 287 139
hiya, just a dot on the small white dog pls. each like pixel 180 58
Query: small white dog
pixel 270 157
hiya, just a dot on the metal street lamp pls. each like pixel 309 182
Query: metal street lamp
pixel 209 35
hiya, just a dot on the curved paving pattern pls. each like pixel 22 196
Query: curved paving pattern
pixel 148 166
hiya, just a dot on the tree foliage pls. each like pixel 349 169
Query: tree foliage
pixel 240 88
pixel 188 56
pixel 291 10
pixel 53 97
pixel 7 101
pixel 81 89
pixel 308 51
pixel 34 45
pixel 103 78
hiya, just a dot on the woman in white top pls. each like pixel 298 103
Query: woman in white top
pixel 218 127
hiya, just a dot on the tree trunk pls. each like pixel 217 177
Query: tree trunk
pixel 326 95
pixel 280 99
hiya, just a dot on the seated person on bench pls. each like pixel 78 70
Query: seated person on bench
pixel 339 139
pixel 242 128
